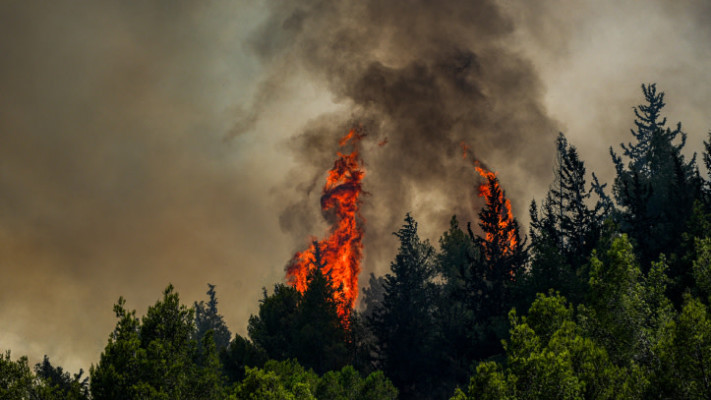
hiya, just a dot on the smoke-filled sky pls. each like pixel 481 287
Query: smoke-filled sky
pixel 143 143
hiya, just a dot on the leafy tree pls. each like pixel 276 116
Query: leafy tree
pixel 115 375
pixel 626 310
pixel 16 380
pixel 207 318
pixel 702 266
pixel 289 380
pixel 156 357
pixel 548 357
pixel 686 355
pixel 265 385
pixel 347 384
pixel 404 324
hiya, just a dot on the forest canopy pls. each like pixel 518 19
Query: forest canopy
pixel 605 296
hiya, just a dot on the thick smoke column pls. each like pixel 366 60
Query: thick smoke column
pixel 425 76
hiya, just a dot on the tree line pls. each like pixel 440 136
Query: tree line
pixel 606 297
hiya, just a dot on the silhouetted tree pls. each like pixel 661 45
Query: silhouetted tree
pixel 302 326
pixel 567 227
pixel 207 318
pixel 656 187
pixel 404 324
pixel 59 384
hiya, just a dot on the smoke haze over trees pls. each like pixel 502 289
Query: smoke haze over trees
pixel 146 143
pixel 609 300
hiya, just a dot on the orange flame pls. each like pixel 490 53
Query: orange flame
pixel 491 191
pixel 341 252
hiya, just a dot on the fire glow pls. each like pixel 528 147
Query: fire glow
pixel 497 204
pixel 341 252
pixel 491 191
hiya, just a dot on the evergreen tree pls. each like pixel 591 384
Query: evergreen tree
pixel 240 354
pixel 656 187
pixel 320 342
pixel 274 328
pixel 457 305
pixel 58 384
pixel 567 228
pixel 16 380
pixel 207 318
pixel 156 357
pixel 404 323
pixel 305 326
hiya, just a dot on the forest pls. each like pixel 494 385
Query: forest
pixel 606 296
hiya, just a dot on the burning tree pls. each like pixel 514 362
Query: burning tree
pixel 501 249
pixel 341 252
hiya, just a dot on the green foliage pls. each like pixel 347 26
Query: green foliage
pixel 488 383
pixel 157 357
pixel 289 380
pixel 685 354
pixel 548 357
pixel 274 327
pixel 241 353
pixel 58 384
pixel 626 310
pixel 16 380
pixel 306 327
pixel 263 385
pixel 702 266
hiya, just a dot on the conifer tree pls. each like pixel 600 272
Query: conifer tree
pixel 207 318
pixel 655 187
pixel 567 227
pixel 404 323
pixel 305 326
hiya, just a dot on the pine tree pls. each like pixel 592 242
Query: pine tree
pixel 207 318
pixel 656 187
pixel 567 227
pixel 501 252
pixel 404 323
pixel 302 326
pixel 156 356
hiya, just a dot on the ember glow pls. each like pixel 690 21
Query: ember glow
pixel 500 231
pixel 341 251
pixel 498 204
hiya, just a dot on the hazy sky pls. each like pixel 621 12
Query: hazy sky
pixel 143 143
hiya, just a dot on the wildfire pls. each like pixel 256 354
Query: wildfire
pixel 497 203
pixel 341 251
pixel 499 227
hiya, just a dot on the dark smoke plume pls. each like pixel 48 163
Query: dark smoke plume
pixel 423 76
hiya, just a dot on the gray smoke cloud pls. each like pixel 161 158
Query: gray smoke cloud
pixel 143 143
pixel 425 77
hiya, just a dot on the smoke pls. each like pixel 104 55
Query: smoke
pixel 425 76
pixel 143 143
